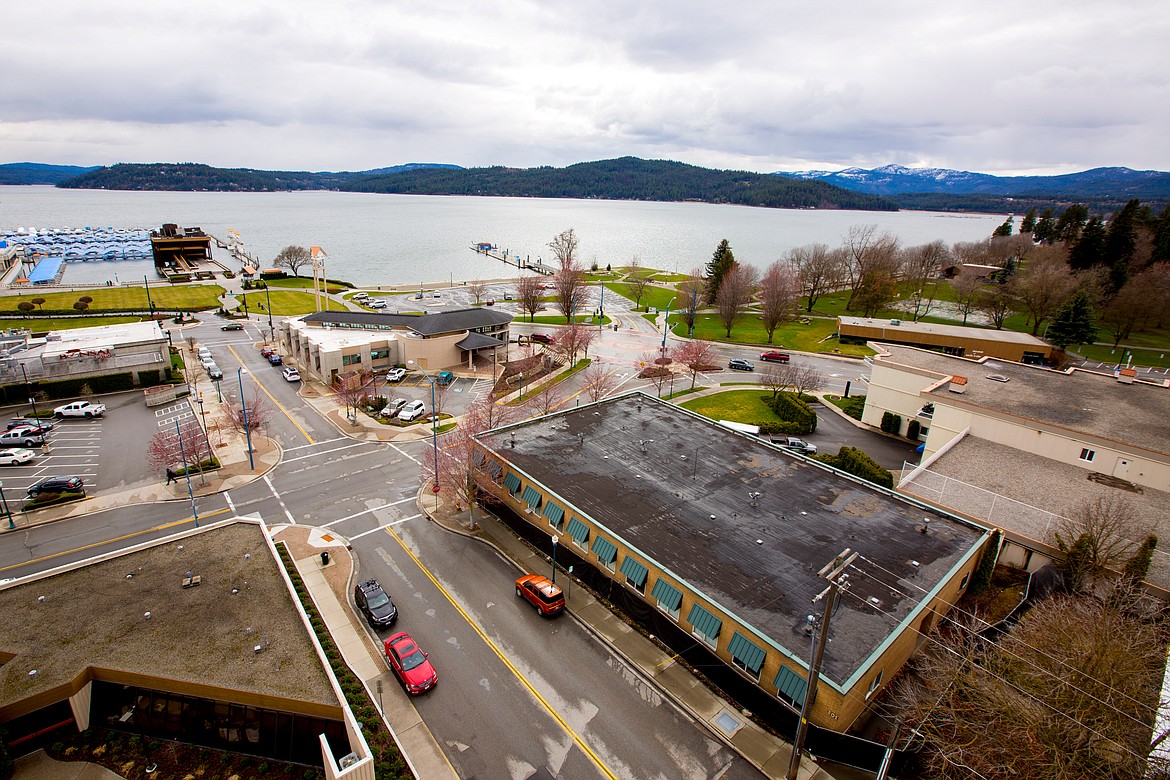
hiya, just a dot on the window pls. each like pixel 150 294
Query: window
pixel 533 498
pixel 1087 455
pixel 378 354
pixel 635 574
pixel 512 482
pixel 923 432
pixel 746 655
pixel 668 597
pixel 351 360
pixel 874 684
pixel 579 532
pixel 555 515
pixel 704 625
pixel 605 551
pixel 790 686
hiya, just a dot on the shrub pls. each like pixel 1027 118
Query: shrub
pixel 891 423
pixel 912 429
pixel 1138 566
pixel 853 461
pixel 982 579
pixel 791 409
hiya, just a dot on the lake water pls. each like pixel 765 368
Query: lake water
pixel 414 239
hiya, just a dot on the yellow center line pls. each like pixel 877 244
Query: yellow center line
pixel 499 654
pixel 124 537
pixel 264 390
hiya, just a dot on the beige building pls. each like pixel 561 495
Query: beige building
pixel 712 539
pixel 139 349
pixel 1020 447
pixel 958 340
pixel 331 343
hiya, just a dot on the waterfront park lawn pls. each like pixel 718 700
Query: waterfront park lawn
pixel 186 297
pixel 816 336
pixel 741 406
pixel 304 283
pixel 285 303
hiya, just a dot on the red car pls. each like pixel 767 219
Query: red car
pixel 266 351
pixel 774 356
pixel 410 664
pixel 541 593
pixel 542 338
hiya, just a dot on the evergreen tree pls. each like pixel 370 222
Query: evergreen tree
pixel 1161 227
pixel 1004 230
pixel 1121 243
pixel 981 580
pixel 1029 223
pixel 1045 227
pixel 1074 322
pixel 1089 250
pixel 1138 566
pixel 721 262
pixel 1072 220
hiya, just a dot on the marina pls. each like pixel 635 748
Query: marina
pixel 489 249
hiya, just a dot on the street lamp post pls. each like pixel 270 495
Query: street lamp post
pixel 694 312
pixel 244 408
pixel 555 541
pixel 187 473
pixel 268 298
pixel 28 389
pixel 434 427
pixel 149 301
pixel 7 511
pixel 665 329
pixel 601 310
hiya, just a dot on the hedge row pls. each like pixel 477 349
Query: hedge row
pixel 853 461
pixel 388 761
pixel 790 408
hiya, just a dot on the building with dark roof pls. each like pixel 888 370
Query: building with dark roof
pixel 331 343
pixel 962 340
pixel 196 637
pixel 722 535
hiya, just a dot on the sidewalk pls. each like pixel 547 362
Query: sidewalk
pixel 766 752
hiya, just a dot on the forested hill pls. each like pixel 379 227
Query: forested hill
pixel 628 178
pixel 38 173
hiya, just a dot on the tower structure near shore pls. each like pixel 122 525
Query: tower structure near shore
pixel 318 255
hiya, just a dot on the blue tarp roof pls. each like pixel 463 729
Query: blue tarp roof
pixel 46 270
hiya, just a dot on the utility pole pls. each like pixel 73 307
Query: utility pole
pixel 835 573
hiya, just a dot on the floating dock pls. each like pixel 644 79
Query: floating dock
pixel 493 251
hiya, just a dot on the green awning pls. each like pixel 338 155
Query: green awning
pixel 532 497
pixel 554 513
pixel 704 622
pixel 578 530
pixel 512 482
pixel 604 550
pixel 667 594
pixel 635 571
pixel 747 651
pixel 791 685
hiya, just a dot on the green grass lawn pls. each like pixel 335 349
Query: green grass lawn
pixel 300 283
pixel 165 296
pixel 741 406
pixel 39 324
pixel 793 335
pixel 653 297
pixel 1142 356
pixel 287 303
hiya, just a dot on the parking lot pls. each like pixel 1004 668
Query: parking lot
pixel 108 453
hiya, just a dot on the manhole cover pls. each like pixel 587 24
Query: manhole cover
pixel 728 723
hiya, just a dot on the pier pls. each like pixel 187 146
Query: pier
pixel 493 251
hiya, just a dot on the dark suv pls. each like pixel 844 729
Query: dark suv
pixel 375 604
pixel 57 485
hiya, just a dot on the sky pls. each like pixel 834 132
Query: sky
pixel 1007 88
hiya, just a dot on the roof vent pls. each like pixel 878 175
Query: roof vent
pixel 958 384
pixel 997 378
pixel 1126 376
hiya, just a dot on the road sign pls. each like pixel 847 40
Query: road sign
pixel 435 489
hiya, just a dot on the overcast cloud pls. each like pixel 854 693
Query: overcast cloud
pixel 1042 87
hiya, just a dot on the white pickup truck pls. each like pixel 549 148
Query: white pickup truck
pixel 80 409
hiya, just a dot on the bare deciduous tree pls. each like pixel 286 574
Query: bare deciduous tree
pixel 801 377
pixel 922 266
pixel 564 247
pixel 867 251
pixel 477 288
pixel 690 297
pixel 779 293
pixel 545 400
pixel 351 387
pixel 638 280
pixel 599 382
pixel 528 295
pixel 292 257
pixel 735 293
pixel 818 269
pixel 650 366
pixel 185 445
pixel 966 288
pixel 572 293
pixel 696 355
pixel 255 409
pixel 463 473
pixel 573 340
pixel 996 302
pixel 1108 522
pixel 1068 694
pixel 1044 283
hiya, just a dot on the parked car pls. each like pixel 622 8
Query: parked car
pixel 542 338
pixel 22 437
pixel 32 422
pixel 445 378
pixel 375 604
pixel 411 665
pixel 361 296
pixel 377 304
pixel 214 373
pixel 418 296
pixel 774 356
pixel 491 302
pixel 57 485
pixel 396 374
pixel 275 359
pixel 291 374
pixel 541 593
pixel 80 409
pixel 207 360
pixel 437 295
pixel 507 296
pixel 740 365
pixel 266 351
pixel 796 445
pixel 16 456
pixel 412 411
pixel 204 353
pixel 394 407
pixel 232 326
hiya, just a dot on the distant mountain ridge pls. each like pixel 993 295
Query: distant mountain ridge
pixel 626 178
pixel 39 173
pixel 1114 183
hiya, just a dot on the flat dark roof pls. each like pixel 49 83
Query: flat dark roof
pixel 683 503
pixel 430 324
